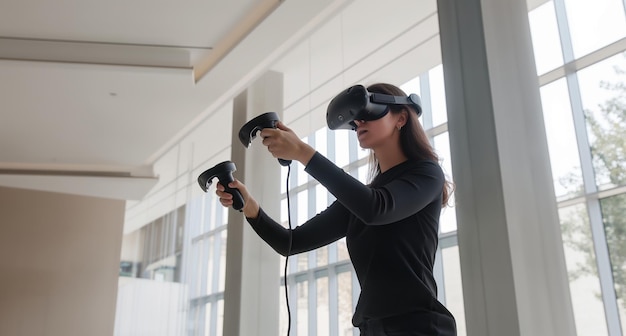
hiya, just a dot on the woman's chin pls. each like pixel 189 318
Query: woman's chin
pixel 364 145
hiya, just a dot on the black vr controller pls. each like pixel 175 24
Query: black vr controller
pixel 224 173
pixel 357 103
pixel 252 127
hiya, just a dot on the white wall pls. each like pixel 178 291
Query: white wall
pixel 59 262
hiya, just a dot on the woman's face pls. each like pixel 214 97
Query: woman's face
pixel 379 133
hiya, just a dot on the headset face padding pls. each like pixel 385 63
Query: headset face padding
pixel 356 103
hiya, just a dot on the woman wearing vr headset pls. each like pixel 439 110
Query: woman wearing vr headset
pixel 391 225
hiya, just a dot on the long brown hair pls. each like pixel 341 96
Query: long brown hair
pixel 413 139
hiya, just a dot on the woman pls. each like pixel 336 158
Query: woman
pixel 390 225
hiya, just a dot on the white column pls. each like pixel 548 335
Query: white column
pixel 513 266
pixel 252 268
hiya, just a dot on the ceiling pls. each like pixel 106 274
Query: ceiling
pixel 93 92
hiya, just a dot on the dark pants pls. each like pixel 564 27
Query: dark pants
pixel 410 325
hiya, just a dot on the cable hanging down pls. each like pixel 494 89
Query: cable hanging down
pixel 288 252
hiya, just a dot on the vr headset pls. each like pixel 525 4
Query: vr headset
pixel 356 103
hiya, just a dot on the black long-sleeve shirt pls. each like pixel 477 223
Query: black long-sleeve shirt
pixel 391 229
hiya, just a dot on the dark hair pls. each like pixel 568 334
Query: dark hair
pixel 413 140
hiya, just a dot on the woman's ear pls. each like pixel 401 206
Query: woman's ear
pixel 402 119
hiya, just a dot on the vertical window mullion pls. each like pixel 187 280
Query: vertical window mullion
pixel 564 31
pixel 427 111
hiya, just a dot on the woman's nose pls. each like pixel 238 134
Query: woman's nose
pixel 358 122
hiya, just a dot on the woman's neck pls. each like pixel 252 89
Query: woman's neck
pixel 389 157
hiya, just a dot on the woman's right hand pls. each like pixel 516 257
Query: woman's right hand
pixel 250 207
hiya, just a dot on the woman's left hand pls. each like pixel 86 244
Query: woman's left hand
pixel 283 143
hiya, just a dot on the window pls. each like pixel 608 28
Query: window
pixel 585 118
pixel 603 93
pixel 562 146
pixel 205 268
pixel 594 24
pixel 614 219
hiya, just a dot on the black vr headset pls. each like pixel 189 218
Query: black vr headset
pixel 356 103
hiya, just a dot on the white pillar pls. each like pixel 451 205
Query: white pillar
pixel 252 267
pixel 513 266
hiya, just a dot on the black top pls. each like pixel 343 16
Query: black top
pixel 391 229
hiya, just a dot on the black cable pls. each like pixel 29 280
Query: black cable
pixel 288 252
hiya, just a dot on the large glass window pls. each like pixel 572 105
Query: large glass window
pixel 205 268
pixel 585 118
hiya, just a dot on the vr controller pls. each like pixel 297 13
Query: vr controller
pixel 224 173
pixel 249 131
pixel 356 103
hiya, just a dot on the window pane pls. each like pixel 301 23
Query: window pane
pixel 321 255
pixel 284 214
pixel 453 286
pixel 321 143
pixel 282 310
pixel 614 219
pixel 546 40
pixel 603 90
pixel 412 86
pixel 222 267
pixel 447 221
pixel 210 248
pixel 220 317
pixel 564 158
pixel 584 283
pixel 303 177
pixel 342 250
pixel 321 198
pixel 303 308
pixel 283 177
pixel 363 173
pixel 342 147
pixel 323 325
pixel 344 284
pixel 303 261
pixel 438 95
pixel 303 207
pixel 210 206
pixel 207 318
pixel 594 24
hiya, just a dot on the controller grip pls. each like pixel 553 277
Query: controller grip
pixel 237 198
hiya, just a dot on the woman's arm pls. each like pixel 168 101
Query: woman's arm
pixel 326 227
pixel 404 195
